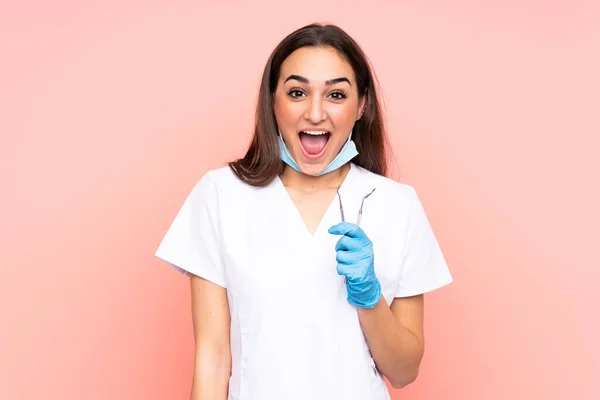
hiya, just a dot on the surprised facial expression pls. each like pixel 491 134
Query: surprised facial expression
pixel 316 104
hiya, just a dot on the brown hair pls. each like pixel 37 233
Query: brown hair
pixel 262 162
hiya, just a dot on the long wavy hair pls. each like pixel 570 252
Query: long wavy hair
pixel 262 162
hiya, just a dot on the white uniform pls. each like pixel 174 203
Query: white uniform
pixel 293 333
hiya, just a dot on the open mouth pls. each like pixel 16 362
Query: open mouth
pixel 314 143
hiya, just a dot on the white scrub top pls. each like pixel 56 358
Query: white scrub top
pixel 293 333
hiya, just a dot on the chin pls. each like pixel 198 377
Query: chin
pixel 312 170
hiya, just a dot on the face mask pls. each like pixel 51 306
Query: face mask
pixel 347 153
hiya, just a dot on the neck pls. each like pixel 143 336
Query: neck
pixel 297 180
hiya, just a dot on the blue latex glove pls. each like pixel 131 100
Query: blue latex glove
pixel 356 262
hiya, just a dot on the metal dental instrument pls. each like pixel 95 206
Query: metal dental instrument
pixel 360 211
pixel 341 206
pixel 361 207
pixel 362 203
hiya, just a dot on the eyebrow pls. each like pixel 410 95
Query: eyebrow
pixel 328 82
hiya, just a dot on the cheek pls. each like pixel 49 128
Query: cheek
pixel 277 110
pixel 284 118
pixel 343 116
pixel 283 112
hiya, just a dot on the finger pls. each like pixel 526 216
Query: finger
pixel 343 269
pixel 348 229
pixel 347 257
pixel 346 243
pixel 348 270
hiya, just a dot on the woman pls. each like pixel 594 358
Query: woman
pixel 308 266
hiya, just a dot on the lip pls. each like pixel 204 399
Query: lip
pixel 312 128
pixel 318 156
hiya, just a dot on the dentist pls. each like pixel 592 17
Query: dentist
pixel 308 266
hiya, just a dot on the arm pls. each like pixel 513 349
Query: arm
pixel 395 336
pixel 211 319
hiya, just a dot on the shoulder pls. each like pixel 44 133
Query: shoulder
pixel 221 181
pixel 225 179
pixel 398 193
pixel 218 177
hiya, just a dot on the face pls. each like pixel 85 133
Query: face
pixel 316 104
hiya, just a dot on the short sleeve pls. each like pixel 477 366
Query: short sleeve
pixel 192 243
pixel 423 265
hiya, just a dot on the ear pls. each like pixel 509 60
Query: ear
pixel 362 105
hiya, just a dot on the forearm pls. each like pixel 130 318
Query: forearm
pixel 396 350
pixel 211 376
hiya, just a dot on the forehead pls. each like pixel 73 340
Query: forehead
pixel 317 64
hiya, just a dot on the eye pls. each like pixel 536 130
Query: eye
pixel 295 93
pixel 338 95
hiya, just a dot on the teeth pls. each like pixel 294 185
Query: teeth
pixel 316 133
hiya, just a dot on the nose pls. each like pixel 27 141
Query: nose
pixel 316 111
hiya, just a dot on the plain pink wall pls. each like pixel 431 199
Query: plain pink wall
pixel 111 111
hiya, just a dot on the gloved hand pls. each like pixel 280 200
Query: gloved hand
pixel 356 262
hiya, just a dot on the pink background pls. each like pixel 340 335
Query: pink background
pixel 110 111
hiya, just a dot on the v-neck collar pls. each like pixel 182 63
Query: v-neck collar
pixel 332 207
